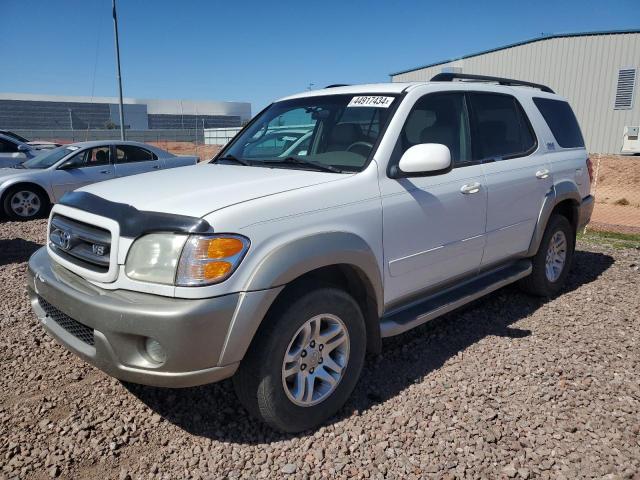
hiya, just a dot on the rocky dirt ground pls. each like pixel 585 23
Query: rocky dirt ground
pixel 617 193
pixel 512 387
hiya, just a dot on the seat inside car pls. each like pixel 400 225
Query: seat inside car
pixel 343 135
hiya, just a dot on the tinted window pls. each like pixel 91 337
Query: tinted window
pixel 439 118
pixel 561 121
pixel 129 153
pixel 501 127
pixel 7 147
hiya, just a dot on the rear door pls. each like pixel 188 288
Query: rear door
pixel 85 167
pixel 518 178
pixel 131 160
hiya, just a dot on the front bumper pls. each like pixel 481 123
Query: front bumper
pixel 584 211
pixel 108 328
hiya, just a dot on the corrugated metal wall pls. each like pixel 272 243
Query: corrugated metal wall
pixel 584 69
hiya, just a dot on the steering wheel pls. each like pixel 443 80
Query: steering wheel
pixel 368 145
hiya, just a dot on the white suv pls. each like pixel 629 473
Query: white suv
pixel 335 218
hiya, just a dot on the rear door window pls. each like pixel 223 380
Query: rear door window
pixel 562 122
pixel 501 128
pixel 130 154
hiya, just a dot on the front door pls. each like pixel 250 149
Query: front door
pixel 518 178
pixel 85 167
pixel 433 225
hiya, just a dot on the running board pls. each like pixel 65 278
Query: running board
pixel 452 298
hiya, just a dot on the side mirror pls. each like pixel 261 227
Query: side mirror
pixel 69 165
pixel 425 159
pixel 23 148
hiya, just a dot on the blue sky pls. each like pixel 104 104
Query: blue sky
pixel 259 51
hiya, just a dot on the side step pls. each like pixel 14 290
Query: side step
pixel 452 298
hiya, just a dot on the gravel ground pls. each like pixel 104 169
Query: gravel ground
pixel 511 386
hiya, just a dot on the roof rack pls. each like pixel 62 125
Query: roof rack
pixel 334 85
pixel 450 77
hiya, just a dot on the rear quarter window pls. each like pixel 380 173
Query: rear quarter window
pixel 562 122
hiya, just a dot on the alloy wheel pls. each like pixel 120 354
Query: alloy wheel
pixel 315 360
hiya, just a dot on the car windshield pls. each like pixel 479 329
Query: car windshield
pixel 330 133
pixel 49 158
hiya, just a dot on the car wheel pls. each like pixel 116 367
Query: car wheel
pixel 552 263
pixel 24 203
pixel 305 360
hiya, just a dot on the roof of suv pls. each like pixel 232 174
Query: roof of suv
pixel 399 87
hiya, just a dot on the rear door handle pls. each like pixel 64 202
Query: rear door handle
pixel 544 173
pixel 105 171
pixel 470 188
pixel 156 167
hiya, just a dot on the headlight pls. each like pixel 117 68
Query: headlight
pixel 208 259
pixel 185 260
pixel 154 258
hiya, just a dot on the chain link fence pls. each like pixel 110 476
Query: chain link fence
pixel 616 187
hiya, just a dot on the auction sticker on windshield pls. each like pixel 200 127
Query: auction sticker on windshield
pixel 371 101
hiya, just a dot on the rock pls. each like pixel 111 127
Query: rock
pixel 289 468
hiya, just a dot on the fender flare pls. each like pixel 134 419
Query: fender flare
pixel 289 262
pixel 560 192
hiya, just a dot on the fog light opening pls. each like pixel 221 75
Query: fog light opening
pixel 155 351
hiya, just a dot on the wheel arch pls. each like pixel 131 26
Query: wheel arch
pixel 337 258
pixel 564 199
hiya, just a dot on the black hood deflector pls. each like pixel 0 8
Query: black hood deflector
pixel 134 222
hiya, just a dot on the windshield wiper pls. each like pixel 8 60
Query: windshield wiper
pixel 303 161
pixel 234 159
pixel 18 165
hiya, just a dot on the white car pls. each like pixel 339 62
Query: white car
pixel 28 188
pixel 282 270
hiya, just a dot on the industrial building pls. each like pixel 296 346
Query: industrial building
pixel 20 111
pixel 596 71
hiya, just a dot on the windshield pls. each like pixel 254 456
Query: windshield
pixel 335 132
pixel 49 158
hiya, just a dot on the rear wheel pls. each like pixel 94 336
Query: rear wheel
pixel 24 203
pixel 552 263
pixel 305 360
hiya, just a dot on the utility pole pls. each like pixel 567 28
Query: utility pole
pixel 115 29
pixel 70 119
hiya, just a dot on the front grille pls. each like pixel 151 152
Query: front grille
pixel 75 328
pixel 85 245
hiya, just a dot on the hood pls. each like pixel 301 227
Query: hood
pixel 10 172
pixel 200 189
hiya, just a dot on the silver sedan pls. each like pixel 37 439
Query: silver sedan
pixel 27 190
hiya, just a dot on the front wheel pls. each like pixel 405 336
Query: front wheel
pixel 552 263
pixel 305 360
pixel 24 203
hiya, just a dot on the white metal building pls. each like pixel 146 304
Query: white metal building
pixel 596 71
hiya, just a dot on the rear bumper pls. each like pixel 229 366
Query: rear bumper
pixel 111 327
pixel 585 210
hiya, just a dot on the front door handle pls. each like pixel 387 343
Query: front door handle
pixel 544 173
pixel 470 188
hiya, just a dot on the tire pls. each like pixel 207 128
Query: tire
pixel 270 395
pixel 24 203
pixel 546 283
